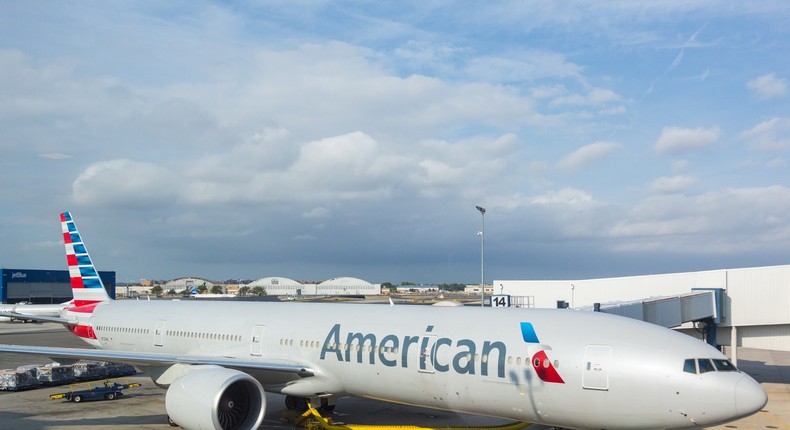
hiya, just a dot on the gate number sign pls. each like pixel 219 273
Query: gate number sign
pixel 500 301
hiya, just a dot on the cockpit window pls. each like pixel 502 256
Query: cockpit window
pixel 705 365
pixel 724 365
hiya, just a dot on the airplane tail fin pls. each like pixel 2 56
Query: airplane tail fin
pixel 86 285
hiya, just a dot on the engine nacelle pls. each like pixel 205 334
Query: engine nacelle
pixel 213 397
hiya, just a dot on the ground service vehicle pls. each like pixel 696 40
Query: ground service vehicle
pixel 109 390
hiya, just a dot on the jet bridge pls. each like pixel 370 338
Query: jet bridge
pixel 701 305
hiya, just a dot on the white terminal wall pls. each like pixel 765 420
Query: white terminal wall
pixel 756 299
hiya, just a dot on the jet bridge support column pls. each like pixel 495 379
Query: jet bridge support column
pixel 734 345
pixel 710 332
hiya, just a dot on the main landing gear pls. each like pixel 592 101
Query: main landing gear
pixel 301 404
pixel 311 419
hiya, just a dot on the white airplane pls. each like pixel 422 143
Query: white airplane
pixel 30 311
pixel 562 368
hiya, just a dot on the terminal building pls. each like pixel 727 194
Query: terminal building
pixel 43 286
pixel 750 309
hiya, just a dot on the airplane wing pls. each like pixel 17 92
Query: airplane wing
pixel 29 317
pixel 154 359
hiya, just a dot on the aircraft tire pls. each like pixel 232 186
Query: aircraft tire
pixel 301 404
pixel 294 403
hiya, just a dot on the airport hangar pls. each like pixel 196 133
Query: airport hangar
pixel 343 286
pixel 752 306
pixel 280 286
pixel 43 286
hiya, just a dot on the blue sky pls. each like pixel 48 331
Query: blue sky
pixel 312 139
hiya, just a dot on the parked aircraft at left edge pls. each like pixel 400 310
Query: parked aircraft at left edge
pixel 54 310
pixel 562 368
pixel 31 310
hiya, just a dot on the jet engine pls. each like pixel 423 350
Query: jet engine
pixel 213 397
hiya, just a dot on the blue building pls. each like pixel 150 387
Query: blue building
pixel 43 286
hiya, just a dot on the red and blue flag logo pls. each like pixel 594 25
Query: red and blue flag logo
pixel 543 366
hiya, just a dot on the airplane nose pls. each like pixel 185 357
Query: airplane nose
pixel 749 396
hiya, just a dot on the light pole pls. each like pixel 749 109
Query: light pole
pixel 482 254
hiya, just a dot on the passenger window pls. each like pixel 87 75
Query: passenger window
pixel 705 366
pixel 724 366
pixel 690 366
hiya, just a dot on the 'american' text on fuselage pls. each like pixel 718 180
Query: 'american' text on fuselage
pixel 390 347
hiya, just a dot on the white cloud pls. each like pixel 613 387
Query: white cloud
pixel 522 66
pixel 615 110
pixel 769 135
pixel 434 176
pixel 672 184
pixel 587 155
pixel 593 97
pixel 54 156
pixel 125 183
pixel 768 86
pixel 679 165
pixel 424 54
pixel 274 169
pixel 754 218
pixel 565 196
pixel 318 212
pixel 685 225
pixel 677 140
pixel 341 168
pixel 543 92
pixel 346 167
pixel 676 61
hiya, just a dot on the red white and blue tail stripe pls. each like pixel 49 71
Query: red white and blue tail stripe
pixel 86 286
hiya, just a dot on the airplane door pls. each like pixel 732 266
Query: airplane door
pixel 159 333
pixel 595 375
pixel 256 345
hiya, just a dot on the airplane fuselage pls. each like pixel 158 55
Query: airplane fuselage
pixel 611 372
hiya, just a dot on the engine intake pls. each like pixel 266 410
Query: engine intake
pixel 212 397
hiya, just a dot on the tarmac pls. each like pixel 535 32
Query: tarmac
pixel 144 407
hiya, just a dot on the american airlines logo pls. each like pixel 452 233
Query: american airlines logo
pixel 546 370
pixel 18 275
pixel 431 352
